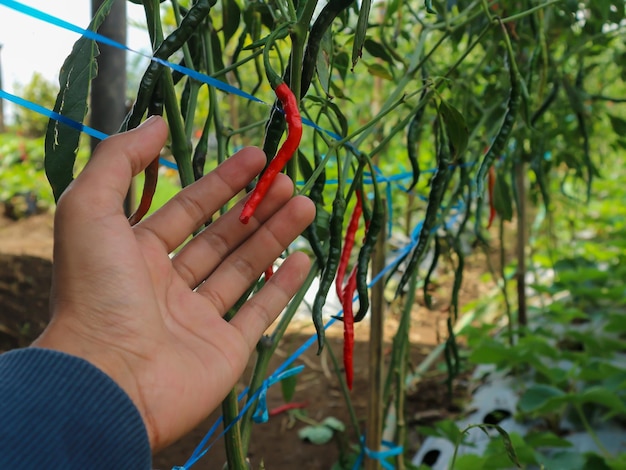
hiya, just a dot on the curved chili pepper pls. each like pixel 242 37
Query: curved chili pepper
pixel 197 13
pixel 435 196
pixel 330 267
pixel 294 134
pixel 348 327
pixel 372 230
pixel 151 176
pixel 490 186
pixel 316 195
pixel 348 244
pixel 151 173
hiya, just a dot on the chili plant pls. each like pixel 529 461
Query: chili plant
pixel 374 97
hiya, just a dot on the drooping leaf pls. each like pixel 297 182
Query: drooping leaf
pixel 376 49
pixel 456 127
pixel 378 70
pixel 231 16
pixel 361 30
pixel 75 77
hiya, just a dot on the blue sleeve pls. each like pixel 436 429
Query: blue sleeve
pixel 60 412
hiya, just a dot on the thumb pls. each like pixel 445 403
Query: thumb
pixel 104 182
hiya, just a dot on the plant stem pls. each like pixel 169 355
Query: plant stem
pixel 374 434
pixel 520 182
pixel 220 135
pixel 345 392
pixel 401 343
pixel 180 146
pixel 265 350
pixel 232 440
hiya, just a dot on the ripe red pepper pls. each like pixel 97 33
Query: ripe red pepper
pixel 348 244
pixel 284 154
pixel 269 272
pixel 348 327
pixel 490 185
pixel 287 406
pixel 151 175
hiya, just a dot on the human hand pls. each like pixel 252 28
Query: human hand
pixel 154 324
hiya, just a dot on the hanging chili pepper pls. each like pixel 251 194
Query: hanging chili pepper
pixel 439 183
pixel 170 44
pixel 286 151
pixel 151 173
pixel 348 244
pixel 348 327
pixel 491 184
pixel 372 230
pixel 330 266
pixel 502 137
pixel 269 272
pixel 294 134
pixel 151 176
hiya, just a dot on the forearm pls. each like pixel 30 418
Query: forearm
pixel 59 411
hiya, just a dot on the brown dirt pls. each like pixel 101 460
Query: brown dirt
pixel 25 260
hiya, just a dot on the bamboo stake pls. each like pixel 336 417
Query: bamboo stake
pixel 374 407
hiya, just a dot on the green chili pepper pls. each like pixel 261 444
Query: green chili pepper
pixel 331 265
pixel 372 231
pixel 433 265
pixel 502 137
pixel 412 139
pixel 316 195
pixel 171 44
pixel 437 189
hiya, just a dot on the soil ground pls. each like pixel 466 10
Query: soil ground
pixel 25 272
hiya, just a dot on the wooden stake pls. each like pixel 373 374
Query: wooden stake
pixel 375 393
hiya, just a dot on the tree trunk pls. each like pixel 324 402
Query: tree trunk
pixel 108 89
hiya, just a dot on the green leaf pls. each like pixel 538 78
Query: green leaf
pixel 602 396
pixel 502 198
pixel 541 398
pixel 456 127
pixel 470 462
pixel 508 445
pixel 545 439
pixel 318 435
pixel 618 124
pixel 75 77
pixel 448 429
pixel 376 49
pixel 571 460
pixel 334 424
pixel 378 70
pixel 361 30
pixel 231 16
pixel 323 61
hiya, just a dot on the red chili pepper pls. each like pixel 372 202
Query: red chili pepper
pixel 491 185
pixel 286 407
pixel 348 327
pixel 269 272
pixel 348 244
pixel 284 154
pixel 151 175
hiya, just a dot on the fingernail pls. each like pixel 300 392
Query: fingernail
pixel 148 122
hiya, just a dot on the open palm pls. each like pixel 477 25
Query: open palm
pixel 152 321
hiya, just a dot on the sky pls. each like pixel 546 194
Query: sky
pixel 30 45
